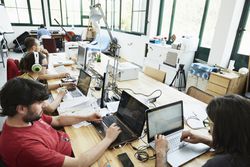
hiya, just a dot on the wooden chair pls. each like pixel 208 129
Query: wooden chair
pixel 155 73
pixel 199 94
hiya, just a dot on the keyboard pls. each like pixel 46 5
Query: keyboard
pixel 75 93
pixel 112 119
pixel 174 142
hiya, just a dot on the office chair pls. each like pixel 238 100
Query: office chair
pixel 199 94
pixel 49 44
pixel 12 68
pixel 155 73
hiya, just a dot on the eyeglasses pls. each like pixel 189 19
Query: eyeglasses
pixel 45 65
pixel 195 123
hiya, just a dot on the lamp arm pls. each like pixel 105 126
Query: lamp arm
pixel 105 21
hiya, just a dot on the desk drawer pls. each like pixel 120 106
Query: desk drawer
pixel 216 88
pixel 224 82
pixel 213 93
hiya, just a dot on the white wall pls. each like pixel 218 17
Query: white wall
pixel 225 32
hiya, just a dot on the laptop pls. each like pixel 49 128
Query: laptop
pixel 168 120
pixel 82 87
pixel 81 59
pixel 130 117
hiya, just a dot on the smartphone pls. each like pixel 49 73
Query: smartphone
pixel 125 160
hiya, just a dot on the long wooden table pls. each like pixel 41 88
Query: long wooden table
pixel 84 138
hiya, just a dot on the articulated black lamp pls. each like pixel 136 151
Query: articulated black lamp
pixel 96 14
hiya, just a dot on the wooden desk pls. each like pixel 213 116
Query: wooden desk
pixel 84 138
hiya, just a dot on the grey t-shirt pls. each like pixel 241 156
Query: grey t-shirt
pixel 227 160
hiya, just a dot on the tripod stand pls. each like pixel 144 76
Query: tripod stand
pixel 180 77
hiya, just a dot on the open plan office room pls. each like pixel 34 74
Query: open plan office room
pixel 124 83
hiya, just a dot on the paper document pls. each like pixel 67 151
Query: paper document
pixel 113 106
pixel 104 112
pixel 76 104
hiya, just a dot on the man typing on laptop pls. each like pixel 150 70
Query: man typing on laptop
pixel 28 137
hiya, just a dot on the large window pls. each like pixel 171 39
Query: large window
pixel 188 16
pixel 68 12
pixel 25 12
pixel 126 16
pixel 211 19
pixel 196 18
pixel 133 17
pixel 241 49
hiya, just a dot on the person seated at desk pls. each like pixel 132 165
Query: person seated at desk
pixel 34 68
pixel 32 45
pixel 230 129
pixel 28 138
pixel 42 31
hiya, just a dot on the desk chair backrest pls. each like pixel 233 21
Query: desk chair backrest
pixel 12 68
pixel 199 94
pixel 49 44
pixel 44 37
pixel 155 73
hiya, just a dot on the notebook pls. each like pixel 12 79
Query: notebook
pixel 130 117
pixel 169 121
pixel 82 87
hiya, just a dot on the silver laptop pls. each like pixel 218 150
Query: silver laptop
pixel 82 87
pixel 169 121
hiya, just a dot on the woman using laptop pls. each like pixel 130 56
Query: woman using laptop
pixel 230 121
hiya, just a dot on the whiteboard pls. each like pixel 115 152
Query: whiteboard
pixel 5 26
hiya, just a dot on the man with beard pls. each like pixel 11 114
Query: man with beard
pixel 28 137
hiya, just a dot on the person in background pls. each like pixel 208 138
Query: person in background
pixel 230 129
pixel 42 31
pixel 29 138
pixel 26 65
pixel 32 45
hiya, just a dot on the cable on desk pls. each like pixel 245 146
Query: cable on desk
pixel 157 90
pixel 141 153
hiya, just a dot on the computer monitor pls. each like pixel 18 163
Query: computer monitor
pixel 105 85
pixel 82 56
pixel 84 81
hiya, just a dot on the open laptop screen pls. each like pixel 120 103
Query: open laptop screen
pixel 165 119
pixel 84 82
pixel 132 113
pixel 81 56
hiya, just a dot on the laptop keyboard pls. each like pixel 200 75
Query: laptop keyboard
pixel 112 119
pixel 175 143
pixel 75 93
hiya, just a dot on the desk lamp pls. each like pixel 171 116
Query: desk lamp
pixel 96 14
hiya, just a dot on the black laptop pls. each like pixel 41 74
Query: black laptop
pixel 130 117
